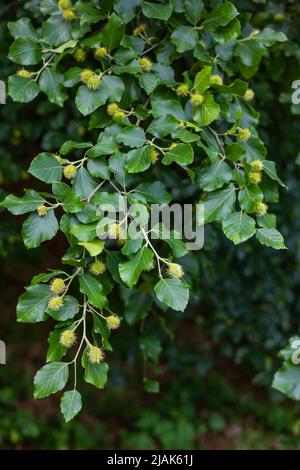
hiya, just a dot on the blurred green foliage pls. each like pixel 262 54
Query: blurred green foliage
pixel 244 317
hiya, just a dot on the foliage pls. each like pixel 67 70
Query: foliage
pixel 193 128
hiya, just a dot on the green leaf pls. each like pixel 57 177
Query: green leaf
pixel 100 326
pixel 20 205
pixel 139 160
pixel 70 404
pixel 95 374
pixel 221 15
pixel 112 87
pixel 113 32
pixel 25 52
pixel 287 381
pixel 219 204
pixel 150 346
pixel 92 287
pixel 270 169
pixel 182 154
pixel 69 145
pixel 22 29
pixel 270 237
pixel 46 168
pixel 151 386
pixel 203 80
pixel 56 30
pixel 136 305
pixel 94 248
pixel 172 238
pixel 238 227
pixel 51 82
pixel 98 169
pixel 88 100
pixel 207 112
pixel 131 270
pixel 38 229
pixel 32 305
pixel 158 12
pixel 249 196
pixel 184 38
pixel 55 350
pixel 193 10
pixel 83 183
pixel 50 379
pixel 154 192
pixel 250 52
pixel 68 310
pixel 132 136
pixel 214 176
pixel 172 292
pixel 84 233
pixel 126 9
pixel 21 89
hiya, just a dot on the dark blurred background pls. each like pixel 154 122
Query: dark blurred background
pixel 215 376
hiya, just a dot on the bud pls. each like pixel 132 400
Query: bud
pixel 80 55
pixel 249 95
pixel 69 15
pixel 261 208
pixel 145 64
pixel 97 268
pixel 113 322
pixel 182 125
pixel 24 73
pixel 100 52
pixel 64 4
pixel 175 270
pixel 67 338
pixel 183 90
pixel 112 109
pixel 197 99
pixel 90 79
pixel 257 165
pixel 244 134
pixel 139 29
pixel 172 146
pixel 153 156
pixel 114 230
pixel 216 79
pixel 279 17
pixel 70 171
pixel 56 302
pixel 57 285
pixel 255 177
pixel 95 355
pixel 119 116
pixel 42 210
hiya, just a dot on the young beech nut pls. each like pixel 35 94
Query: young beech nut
pixel 95 355
pixel 97 268
pixel 56 302
pixel 145 64
pixel 175 270
pixel 255 177
pixel 70 171
pixel 197 99
pixel 113 322
pixel 42 210
pixel 67 338
pixel 244 134
pixel 57 285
